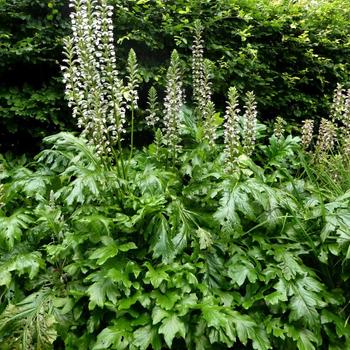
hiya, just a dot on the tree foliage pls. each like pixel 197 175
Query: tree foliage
pixel 290 53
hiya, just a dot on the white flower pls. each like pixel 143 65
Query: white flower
pixel 249 126
pixel 231 132
pixel 93 88
pixel 173 103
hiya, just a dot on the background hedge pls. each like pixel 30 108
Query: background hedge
pixel 290 53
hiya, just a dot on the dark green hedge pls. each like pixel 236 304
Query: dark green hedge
pixel 31 99
pixel 290 55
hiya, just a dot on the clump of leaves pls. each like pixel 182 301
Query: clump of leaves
pixel 98 254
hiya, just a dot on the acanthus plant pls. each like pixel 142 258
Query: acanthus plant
pixel 334 132
pixel 202 89
pixel 329 150
pixel 107 247
pixel 173 104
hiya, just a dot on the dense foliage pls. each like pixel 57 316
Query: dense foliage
pixel 215 235
pixel 31 100
pixel 290 54
pixel 256 258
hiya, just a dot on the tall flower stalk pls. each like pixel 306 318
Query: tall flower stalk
pixel 340 116
pixel 337 104
pixel 131 93
pixel 307 132
pixel 93 87
pixel 231 132
pixel 173 102
pixel 326 138
pixel 198 74
pixel 207 107
pixel 346 111
pixel 152 117
pixel 202 92
pixel 209 125
pixel 112 84
pixel 279 127
pixel 249 124
pixel 345 133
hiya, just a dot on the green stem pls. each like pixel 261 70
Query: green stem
pixel 174 156
pixel 132 132
pixel 121 158
pixel 131 138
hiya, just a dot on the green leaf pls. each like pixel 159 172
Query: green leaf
pixel 220 320
pixel 235 199
pixel 85 187
pixel 110 250
pixel 291 264
pixel 342 327
pixel 147 336
pixel 166 301
pixel 240 268
pixel 103 288
pixel 158 314
pixel 156 277
pixel 120 276
pixel 97 294
pixel 126 304
pixel 11 227
pixel 35 315
pixel 260 339
pixel 162 245
pixel 104 253
pixel 305 339
pixel 118 336
pixel 306 298
pixel 19 263
pixel 247 328
pixel 27 263
pixel 127 246
pixel 205 238
pixel 171 326
pixel 77 192
pixel 35 185
pixel 97 223
pixel 244 326
pixel 275 297
pixel 274 326
pixel 187 302
pixel 5 278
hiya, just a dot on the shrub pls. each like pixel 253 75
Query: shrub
pixel 133 249
pixel 290 54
